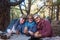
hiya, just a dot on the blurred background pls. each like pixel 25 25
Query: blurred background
pixel 47 9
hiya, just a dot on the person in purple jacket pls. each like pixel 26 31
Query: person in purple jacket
pixel 43 27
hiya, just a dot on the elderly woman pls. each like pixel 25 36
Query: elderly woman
pixel 43 27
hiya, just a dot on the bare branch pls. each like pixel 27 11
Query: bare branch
pixel 29 7
pixel 14 3
pixel 33 2
pixel 21 9
pixel 25 7
pixel 38 10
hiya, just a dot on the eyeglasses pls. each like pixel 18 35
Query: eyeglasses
pixel 30 18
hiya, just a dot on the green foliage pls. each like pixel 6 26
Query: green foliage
pixel 58 1
pixel 14 12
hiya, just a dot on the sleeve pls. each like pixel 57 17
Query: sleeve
pixel 34 29
pixel 11 24
pixel 16 23
pixel 18 28
pixel 46 31
pixel 26 24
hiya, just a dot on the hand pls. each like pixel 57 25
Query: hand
pixel 37 34
pixel 17 32
pixel 31 33
pixel 25 30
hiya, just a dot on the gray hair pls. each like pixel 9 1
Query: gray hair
pixel 36 15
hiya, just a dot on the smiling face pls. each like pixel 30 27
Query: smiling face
pixel 22 20
pixel 37 19
pixel 30 18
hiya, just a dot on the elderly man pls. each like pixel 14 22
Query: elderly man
pixel 43 28
pixel 30 26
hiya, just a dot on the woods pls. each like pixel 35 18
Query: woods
pixel 4 14
pixel 5 8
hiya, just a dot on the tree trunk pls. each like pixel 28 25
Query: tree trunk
pixel 29 7
pixel 4 14
pixel 57 14
pixel 52 13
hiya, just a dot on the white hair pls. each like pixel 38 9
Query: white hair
pixel 36 15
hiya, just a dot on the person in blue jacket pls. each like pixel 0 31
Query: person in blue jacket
pixel 21 25
pixel 11 25
pixel 30 26
pixel 16 26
